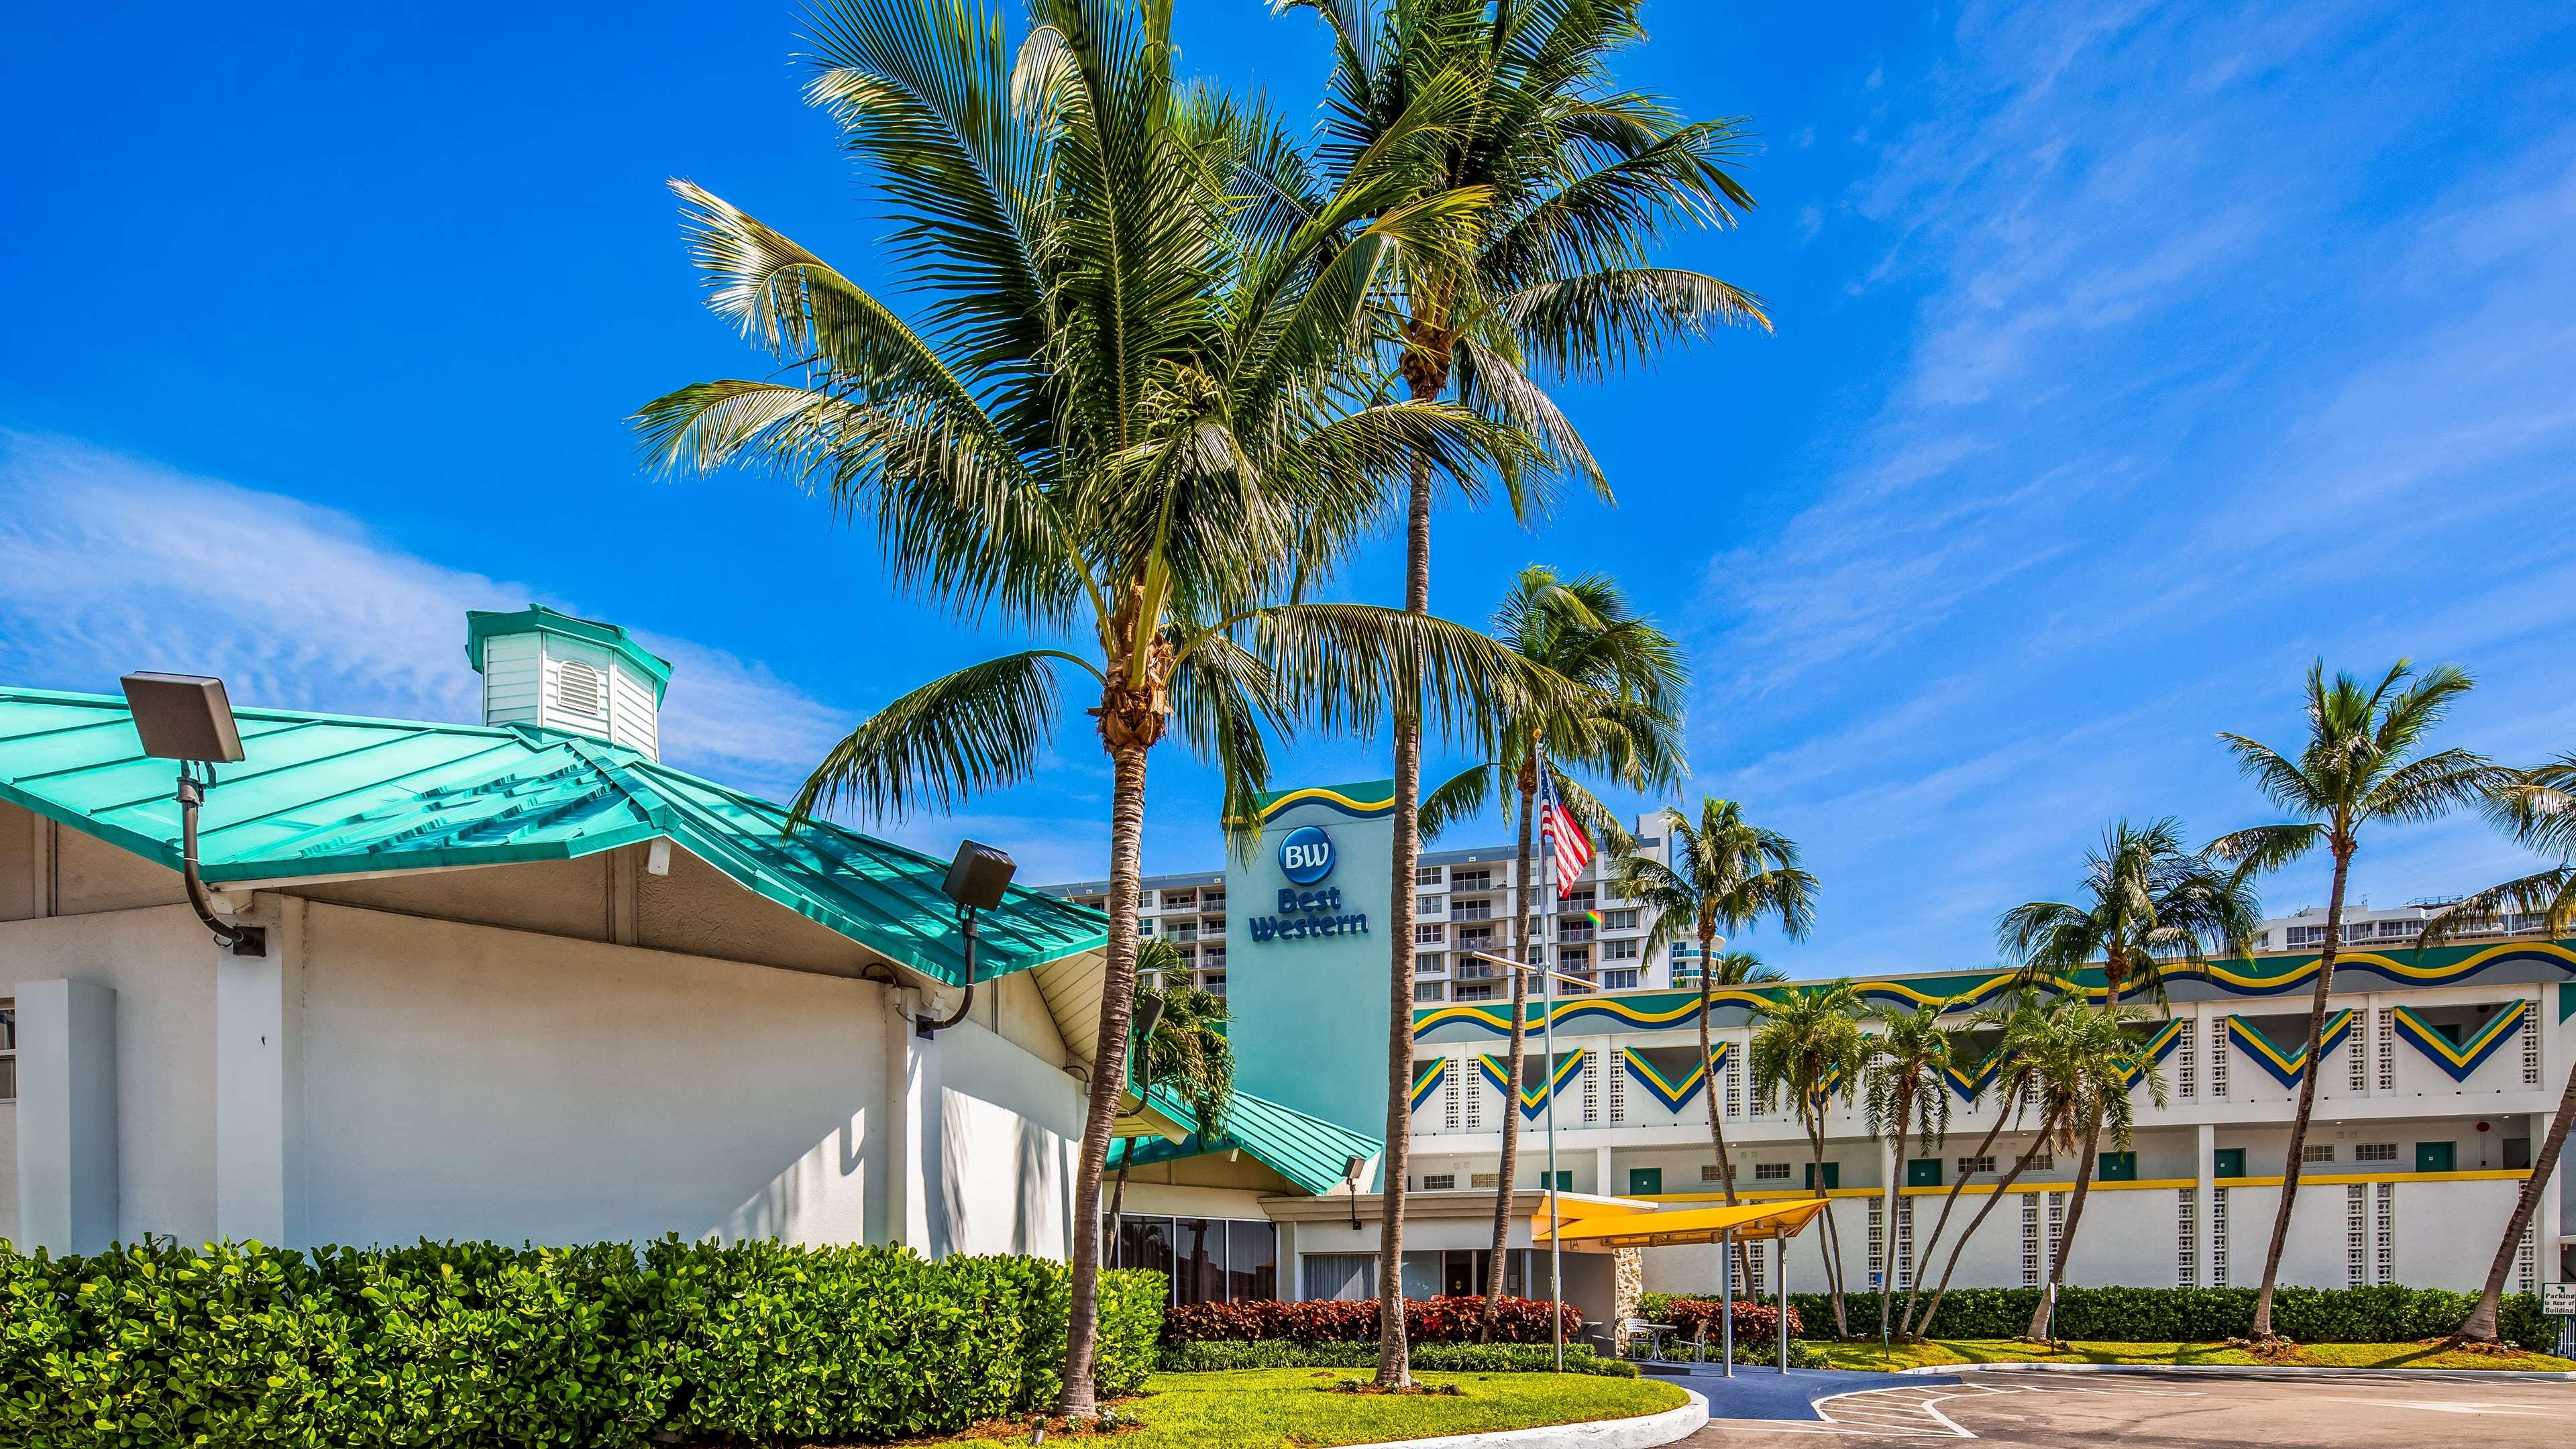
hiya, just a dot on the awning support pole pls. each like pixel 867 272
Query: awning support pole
pixel 1726 1283
pixel 1783 1259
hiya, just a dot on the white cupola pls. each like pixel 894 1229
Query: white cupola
pixel 551 671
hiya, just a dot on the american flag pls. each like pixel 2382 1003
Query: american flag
pixel 1564 836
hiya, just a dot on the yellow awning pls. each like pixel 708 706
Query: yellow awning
pixel 1693 1225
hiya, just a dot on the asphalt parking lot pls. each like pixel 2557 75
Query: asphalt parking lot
pixel 2207 1411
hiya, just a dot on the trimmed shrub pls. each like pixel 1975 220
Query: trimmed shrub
pixel 1752 1320
pixel 2389 1314
pixel 1452 1319
pixel 1219 1355
pixel 476 1344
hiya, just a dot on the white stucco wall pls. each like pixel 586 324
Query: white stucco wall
pixel 161 965
pixel 1013 1125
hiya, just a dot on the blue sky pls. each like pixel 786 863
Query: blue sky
pixel 2129 357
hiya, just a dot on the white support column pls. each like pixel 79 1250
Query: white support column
pixel 1601 1170
pixel 259 1096
pixel 2204 1148
pixel 917 1212
pixel 67 1183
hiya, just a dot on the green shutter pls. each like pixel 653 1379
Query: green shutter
pixel 1833 1176
pixel 1923 1172
pixel 2435 1156
pixel 2227 1162
pixel 2118 1167
pixel 1645 1181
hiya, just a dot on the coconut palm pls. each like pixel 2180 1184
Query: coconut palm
pixel 1725 874
pixel 1809 1046
pixel 2017 1023
pixel 2148 903
pixel 2538 808
pixel 1117 425
pixel 2082 1076
pixel 1906 1090
pixel 1186 1050
pixel 1582 178
pixel 2361 765
pixel 1626 727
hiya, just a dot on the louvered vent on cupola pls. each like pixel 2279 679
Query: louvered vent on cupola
pixel 551 671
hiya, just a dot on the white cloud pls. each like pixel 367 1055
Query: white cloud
pixel 110 563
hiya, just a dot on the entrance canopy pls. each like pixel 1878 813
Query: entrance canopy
pixel 1695 1225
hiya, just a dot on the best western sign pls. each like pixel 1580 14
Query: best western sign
pixel 1305 858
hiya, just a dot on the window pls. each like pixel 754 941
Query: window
pixel 1877 1235
pixel 1473 911
pixel 1471 880
pixel 2039 1162
pixel 1770 1172
pixel 1474 991
pixel 1427 875
pixel 1618 920
pixel 1439 1181
pixel 8 1050
pixel 2356 1054
pixel 2316 1152
pixel 2186 1238
pixel 1433 964
pixel 1449 1092
pixel 1430 905
pixel 2299 936
pixel 1429 933
pixel 1474 938
pixel 1428 991
pixel 1618 1095
pixel 1210 1260
pixel 1485 1179
pixel 2219 1051
pixel 2030 1240
pixel 1734 1087
pixel 2356 1235
pixel 1623 980
pixel 2374 1152
pixel 1145 926
pixel 2187 1059
pixel 2383 1046
pixel 1708 1173
pixel 1971 1166
pixel 1474 1086
pixel 1591 1092
pixel 1573 959
pixel 1619 950
pixel 2531 1043
pixel 580 689
pixel 1213 983
pixel 1340 1275
pixel 2384 1248
pixel 1176 900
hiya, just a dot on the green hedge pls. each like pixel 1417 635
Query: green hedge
pixel 1219 1355
pixel 473 1344
pixel 2198 1315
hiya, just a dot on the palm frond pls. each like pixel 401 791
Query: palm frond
pixel 979 729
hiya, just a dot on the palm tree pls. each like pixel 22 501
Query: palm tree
pixel 2360 766
pixel 1905 1089
pixel 1810 1046
pixel 1186 1050
pixel 2083 1075
pixel 2018 1022
pixel 1725 874
pixel 2147 901
pixel 1118 425
pixel 1580 179
pixel 1627 727
pixel 2538 808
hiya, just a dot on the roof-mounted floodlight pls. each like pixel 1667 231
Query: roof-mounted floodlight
pixel 187 718
pixel 977 877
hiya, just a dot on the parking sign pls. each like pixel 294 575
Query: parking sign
pixel 2558 1300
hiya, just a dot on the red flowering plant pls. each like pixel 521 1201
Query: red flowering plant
pixel 1451 1319
pixel 1754 1322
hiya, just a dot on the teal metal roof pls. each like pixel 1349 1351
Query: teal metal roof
pixel 482 624
pixel 1308 1151
pixel 327 794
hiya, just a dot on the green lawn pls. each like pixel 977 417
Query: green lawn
pixel 1942 1352
pixel 1274 1408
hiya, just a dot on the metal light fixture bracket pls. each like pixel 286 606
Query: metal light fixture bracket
pixel 240 940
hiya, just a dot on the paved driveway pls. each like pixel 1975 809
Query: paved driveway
pixel 2206 1411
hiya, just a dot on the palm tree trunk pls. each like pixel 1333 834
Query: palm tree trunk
pixel 1108 1074
pixel 1117 1213
pixel 2307 1094
pixel 2481 1326
pixel 1512 1078
pixel 1948 1201
pixel 1890 1192
pixel 1743 1273
pixel 1829 1241
pixel 2039 1317
pixel 1932 1309
pixel 1394 1365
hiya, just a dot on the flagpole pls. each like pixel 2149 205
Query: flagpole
pixel 1555 1237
